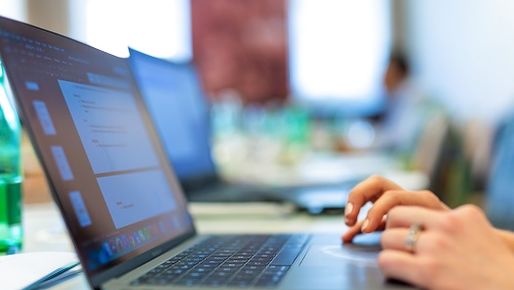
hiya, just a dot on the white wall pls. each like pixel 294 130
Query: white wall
pixel 463 52
pixel 14 9
pixel 161 28
pixel 337 52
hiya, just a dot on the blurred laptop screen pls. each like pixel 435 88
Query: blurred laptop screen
pixel 176 103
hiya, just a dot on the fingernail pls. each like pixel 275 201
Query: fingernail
pixel 348 209
pixel 364 225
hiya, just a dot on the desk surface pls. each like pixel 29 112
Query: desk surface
pixel 45 231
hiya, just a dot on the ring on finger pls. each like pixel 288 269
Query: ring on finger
pixel 412 237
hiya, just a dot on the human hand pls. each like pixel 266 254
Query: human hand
pixel 457 249
pixel 385 195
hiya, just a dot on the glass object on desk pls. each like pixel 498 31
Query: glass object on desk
pixel 295 129
pixel 11 234
pixel 360 134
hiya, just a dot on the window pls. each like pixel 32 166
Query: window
pixel 338 51
pixel 161 28
pixel 14 9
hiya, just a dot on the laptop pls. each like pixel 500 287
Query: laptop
pixel 179 109
pixel 120 198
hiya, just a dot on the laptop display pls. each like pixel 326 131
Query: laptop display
pixel 177 105
pixel 85 117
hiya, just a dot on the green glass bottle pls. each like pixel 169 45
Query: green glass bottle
pixel 11 234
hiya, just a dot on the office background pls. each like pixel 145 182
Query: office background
pixel 461 51
pixel 328 55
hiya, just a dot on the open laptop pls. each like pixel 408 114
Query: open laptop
pixel 179 110
pixel 119 197
pixel 178 106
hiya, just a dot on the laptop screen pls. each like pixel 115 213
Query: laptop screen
pixel 109 175
pixel 177 105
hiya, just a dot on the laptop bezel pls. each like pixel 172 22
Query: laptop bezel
pixel 98 279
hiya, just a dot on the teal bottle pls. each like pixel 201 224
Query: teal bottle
pixel 11 234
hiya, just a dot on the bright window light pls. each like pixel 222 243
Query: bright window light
pixel 338 49
pixel 160 28
pixel 14 9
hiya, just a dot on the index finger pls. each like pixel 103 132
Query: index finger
pixel 368 190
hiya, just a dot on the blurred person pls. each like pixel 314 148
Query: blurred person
pixel 405 112
pixel 429 245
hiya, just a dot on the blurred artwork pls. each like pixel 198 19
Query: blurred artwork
pixel 241 45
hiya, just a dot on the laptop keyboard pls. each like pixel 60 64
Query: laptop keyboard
pixel 229 261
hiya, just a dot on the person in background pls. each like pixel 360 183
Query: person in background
pixel 429 245
pixel 404 111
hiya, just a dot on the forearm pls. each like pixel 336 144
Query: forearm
pixel 507 237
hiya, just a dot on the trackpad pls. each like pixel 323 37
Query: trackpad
pixel 363 252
